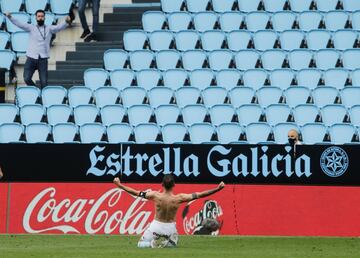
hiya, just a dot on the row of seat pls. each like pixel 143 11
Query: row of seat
pixel 176 133
pixel 240 39
pixel 254 5
pixel 223 59
pixel 58 7
pixel 254 21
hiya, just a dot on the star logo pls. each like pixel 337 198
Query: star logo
pixel 334 161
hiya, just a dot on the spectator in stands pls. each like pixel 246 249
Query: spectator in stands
pixel 87 35
pixel 293 137
pixel 38 50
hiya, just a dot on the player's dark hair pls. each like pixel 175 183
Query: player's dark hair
pixel 39 11
pixel 168 182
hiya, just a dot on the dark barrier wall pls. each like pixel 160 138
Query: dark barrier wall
pixel 238 164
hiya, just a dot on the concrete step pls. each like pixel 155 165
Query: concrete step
pixel 115 35
pixel 74 74
pixel 85 55
pixel 98 47
pixel 79 65
pixel 67 83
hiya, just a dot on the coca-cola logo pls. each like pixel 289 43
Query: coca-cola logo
pixel 209 210
pixel 112 212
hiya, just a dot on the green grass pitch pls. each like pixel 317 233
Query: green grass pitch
pixel 74 246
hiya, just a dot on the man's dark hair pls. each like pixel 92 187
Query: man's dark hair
pixel 39 11
pixel 168 182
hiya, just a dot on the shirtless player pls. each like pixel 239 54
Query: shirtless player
pixel 162 230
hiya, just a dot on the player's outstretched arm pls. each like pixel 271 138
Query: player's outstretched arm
pixel 190 197
pixel 125 188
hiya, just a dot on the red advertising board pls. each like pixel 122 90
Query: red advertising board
pixel 3 206
pixel 241 209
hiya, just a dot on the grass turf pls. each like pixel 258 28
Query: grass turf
pixel 74 246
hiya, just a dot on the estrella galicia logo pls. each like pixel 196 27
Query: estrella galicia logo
pixel 334 161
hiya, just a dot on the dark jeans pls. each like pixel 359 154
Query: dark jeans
pixel 31 65
pixel 95 12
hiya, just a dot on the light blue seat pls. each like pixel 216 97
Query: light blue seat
pixel 310 20
pixel 60 8
pixel 248 6
pixel 230 21
pixel 257 132
pixel 169 6
pixel 356 20
pixel 355 115
pixel 249 113
pixel 355 76
pixel 153 20
pixel 4 39
pixel 336 77
pixel 8 113
pixel 275 6
pixel 20 16
pixel 351 59
pixel 273 59
pixel 33 5
pixel 282 78
pixel 256 21
pixel 115 59
pixel 160 96
pixel 84 114
pixel 52 95
pixel 313 133
pixel 194 59
pixel 64 132
pixel 214 95
pixel 281 130
pixel 247 59
pixel 187 40
pixel 324 95
pixel 95 78
pixel 194 114
pixel 27 95
pixel 37 132
pixel 92 132
pixel 135 40
pixel 204 21
pixel 342 133
pixel 7 58
pixel 196 6
pixel 133 96
pixel 292 39
pixel 351 5
pixel 220 59
pixel 19 42
pixel 168 59
pixel 122 78
pixel 229 132
pixel 305 113
pixel 327 58
pixel 119 133
pixel 186 96
pixel 309 78
pixel 31 113
pixel 222 6
pixel 239 39
pixel 50 19
pixel 277 113
pixel 268 95
pixel 241 95
pixel 350 96
pixel 175 78
pixel 296 95
pixel 161 40
pixel 344 39
pixel 148 78
pixel 167 114
pixel 265 39
pixel 300 5
pixel 283 20
pixel 318 39
pixel 201 133
pixel 59 113
pixel 2 19
pixel 222 113
pixel 333 113
pixel 146 133
pixel 255 78
pixel 112 114
pixel 201 78
pixel 11 132
pixel 326 5
pixel 139 114
pixel 79 95
pixel 10 6
pixel 300 59
pixel 106 96
pixel 336 20
pixel 173 133
pixel 141 59
pixel 213 40
pixel 179 21
pixel 228 78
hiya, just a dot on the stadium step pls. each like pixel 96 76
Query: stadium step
pixel 73 65
pixel 85 55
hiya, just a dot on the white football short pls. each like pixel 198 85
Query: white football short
pixel 160 234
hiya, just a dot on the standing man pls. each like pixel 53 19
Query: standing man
pixel 162 230
pixel 87 35
pixel 38 50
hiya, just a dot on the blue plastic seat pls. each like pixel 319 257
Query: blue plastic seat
pixel 313 133
pixel 187 40
pixel 350 96
pixel 194 59
pixel 139 114
pixel 37 132
pixel 84 114
pixel 60 8
pixel 179 21
pixel 221 113
pixel 283 20
pixel 230 21
pixel 10 6
pixel 305 113
pixel 201 133
pixel 249 113
pixel 19 42
pixel 247 59
pixel 133 96
pixel 173 133
pixel 344 39
pixel 351 5
pixel 169 6
pixel 248 6
pixel 275 6
pixel 351 59
pixel 239 39
pixel 59 113
pixel 326 5
pixel 220 59
pixel 141 59
pixel 282 78
pixel 241 95
pixel 342 133
pixel 213 40
pixel 168 59
pixel 229 132
pixel 161 40
pixel 64 133
pixel 255 78
pixel 27 95
pixel 115 59
pixel 333 113
pixel 204 21
pixel 257 132
pixel 11 132
pixel 296 95
pixel 122 78
pixel 355 76
pixel 194 114
pixel 273 59
pixel 79 95
pixel 160 96
pixel 4 39
pixel 112 114
pixel 7 58
pixel 52 95
pixel 119 133
pixel 106 96
pixel 33 5
pixel 324 95
pixel 153 20
pixel 336 20
pixel 92 132
pixel 300 59
pixel 228 78
pixel 265 39
pixel 309 78
pixel 281 130
pixel 8 113
pixel 146 133
pixel 222 6
pixel 167 114
pixel 196 6
pixel 291 39
pixel 327 58
pixel 201 78
pixel 277 113
pixel 21 17
pixel 214 95
pixel 355 18
pixel 256 21
pixel 318 39
pixel 268 95
pixel 355 115
pixel 175 78
pixel 300 5
pixel 148 78
pixel 135 40
pixel 95 78
pixel 310 20
pixel 336 77
pixel 31 113
pixel 186 96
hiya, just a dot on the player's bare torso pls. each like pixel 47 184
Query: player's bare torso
pixel 166 206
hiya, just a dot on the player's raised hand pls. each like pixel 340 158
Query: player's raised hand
pixel 116 181
pixel 221 185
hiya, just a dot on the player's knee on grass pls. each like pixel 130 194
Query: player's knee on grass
pixel 144 244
